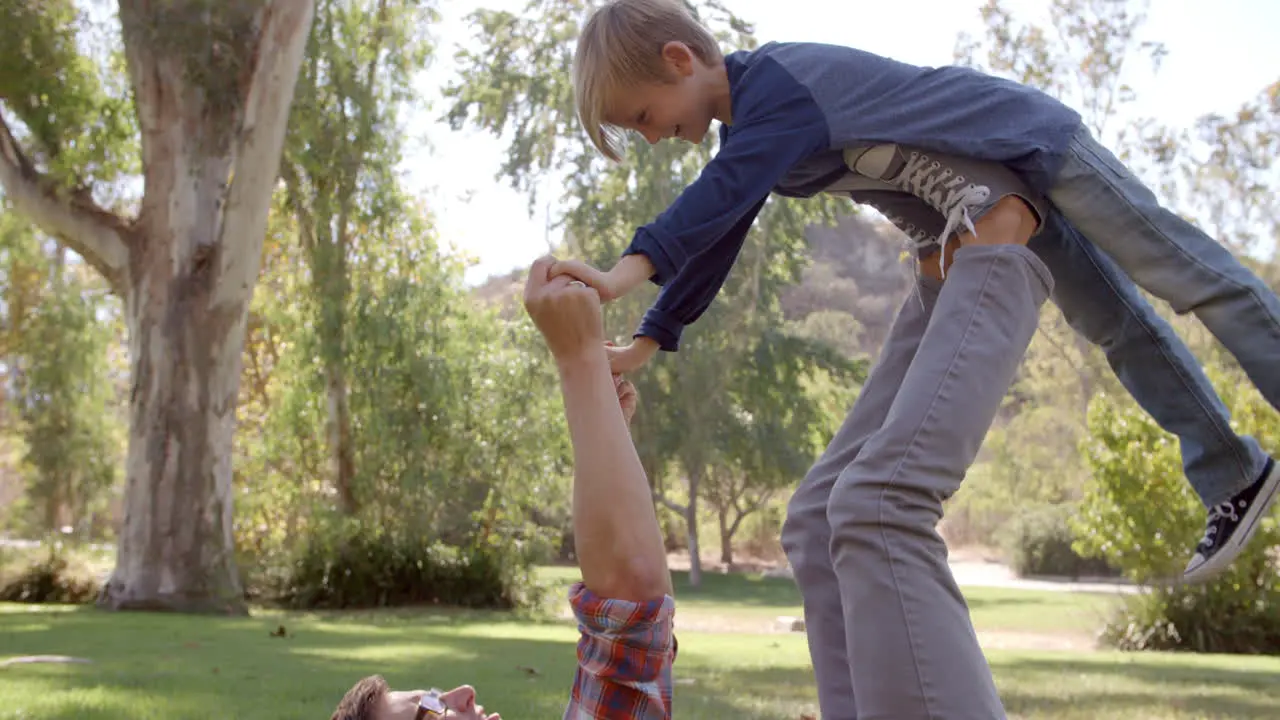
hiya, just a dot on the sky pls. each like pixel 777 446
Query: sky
pixel 1220 55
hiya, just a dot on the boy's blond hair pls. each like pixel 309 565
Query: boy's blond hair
pixel 620 46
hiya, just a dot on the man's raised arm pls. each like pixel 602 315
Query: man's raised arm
pixel 616 533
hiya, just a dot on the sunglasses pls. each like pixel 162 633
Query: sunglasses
pixel 430 705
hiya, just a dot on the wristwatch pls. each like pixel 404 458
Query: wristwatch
pixel 430 705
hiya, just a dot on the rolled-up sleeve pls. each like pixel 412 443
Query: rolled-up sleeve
pixel 625 655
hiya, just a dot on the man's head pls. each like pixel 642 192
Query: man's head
pixel 372 699
pixel 647 66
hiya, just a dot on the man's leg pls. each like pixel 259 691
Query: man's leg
pixel 910 640
pixel 1150 360
pixel 1177 262
pixel 806 536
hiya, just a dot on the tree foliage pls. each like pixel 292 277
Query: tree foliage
pixel 515 82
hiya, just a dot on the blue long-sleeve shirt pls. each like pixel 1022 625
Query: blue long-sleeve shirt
pixel 796 106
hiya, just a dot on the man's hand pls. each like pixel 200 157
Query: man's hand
pixel 567 313
pixel 630 358
pixel 630 272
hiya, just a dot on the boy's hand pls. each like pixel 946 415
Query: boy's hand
pixel 598 279
pixel 627 397
pixel 566 312
pixel 626 276
pixel 630 358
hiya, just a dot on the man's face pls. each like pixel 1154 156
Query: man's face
pixel 460 701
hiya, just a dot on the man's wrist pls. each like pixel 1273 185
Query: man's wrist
pixel 583 361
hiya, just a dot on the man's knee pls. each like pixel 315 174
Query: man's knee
pixel 805 533
pixel 855 504
pixel 1011 221
pixel 862 503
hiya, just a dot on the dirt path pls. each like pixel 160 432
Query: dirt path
pixel 971 567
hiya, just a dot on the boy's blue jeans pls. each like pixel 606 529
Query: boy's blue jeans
pixel 1148 357
pixel 1175 261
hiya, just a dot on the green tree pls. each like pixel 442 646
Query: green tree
pixel 515 82
pixel 455 419
pixel 195 94
pixel 58 372
pixel 1141 516
pixel 339 162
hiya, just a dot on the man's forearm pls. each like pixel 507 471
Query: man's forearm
pixel 615 528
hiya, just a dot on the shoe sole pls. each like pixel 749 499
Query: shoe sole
pixel 1243 534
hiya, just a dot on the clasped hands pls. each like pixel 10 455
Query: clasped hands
pixel 564 297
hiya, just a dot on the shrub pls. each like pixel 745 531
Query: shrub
pixel 1040 542
pixel 1204 619
pixel 51 580
pixel 1142 515
pixel 355 566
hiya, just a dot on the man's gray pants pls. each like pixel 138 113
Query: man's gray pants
pixel 889 632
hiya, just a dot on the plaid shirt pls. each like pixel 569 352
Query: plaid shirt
pixel 624 658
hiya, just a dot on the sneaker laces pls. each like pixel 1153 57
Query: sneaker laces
pixel 1217 512
pixel 944 191
pixel 917 238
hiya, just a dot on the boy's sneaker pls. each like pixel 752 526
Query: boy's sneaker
pixel 1231 525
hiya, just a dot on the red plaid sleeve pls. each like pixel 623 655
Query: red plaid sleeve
pixel 625 655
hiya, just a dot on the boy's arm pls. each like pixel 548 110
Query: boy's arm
pixel 628 274
pixel 694 243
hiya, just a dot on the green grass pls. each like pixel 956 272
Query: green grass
pixel 749 603
pixel 164 666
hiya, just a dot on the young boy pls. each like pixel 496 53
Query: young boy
pixel 798 119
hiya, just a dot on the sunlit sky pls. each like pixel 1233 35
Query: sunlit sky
pixel 1221 54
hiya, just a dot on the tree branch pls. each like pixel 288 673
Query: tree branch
pixel 670 505
pixel 277 59
pixel 95 234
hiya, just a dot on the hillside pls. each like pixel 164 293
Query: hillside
pixel 847 296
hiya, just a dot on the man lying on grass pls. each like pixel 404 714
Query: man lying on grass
pixel 624 603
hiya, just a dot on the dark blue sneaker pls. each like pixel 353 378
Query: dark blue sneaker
pixel 1232 524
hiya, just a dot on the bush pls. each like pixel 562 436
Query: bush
pixel 51 580
pixel 1142 515
pixel 1040 542
pixel 355 566
pixel 1204 619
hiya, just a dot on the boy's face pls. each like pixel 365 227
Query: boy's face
pixel 681 107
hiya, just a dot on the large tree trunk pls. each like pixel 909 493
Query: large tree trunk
pixel 342 460
pixel 175 549
pixel 212 121
pixel 691 527
pixel 726 536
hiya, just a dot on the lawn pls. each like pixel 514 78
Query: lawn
pixel 751 603
pixel 157 666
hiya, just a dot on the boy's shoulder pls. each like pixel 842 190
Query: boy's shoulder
pixel 799 52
